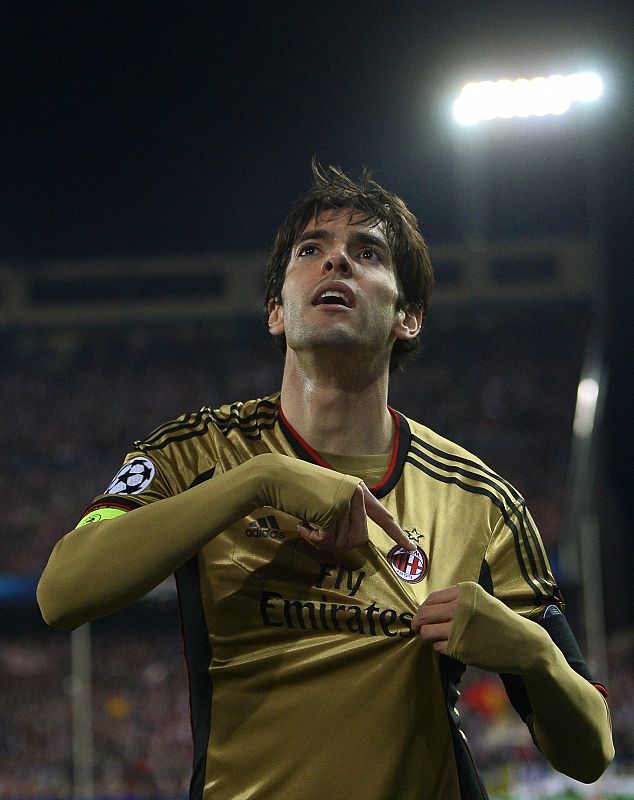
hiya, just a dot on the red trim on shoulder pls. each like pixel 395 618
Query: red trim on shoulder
pixel 601 689
pixel 124 505
pixel 317 458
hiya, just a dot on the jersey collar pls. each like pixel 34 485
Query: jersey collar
pixel 400 446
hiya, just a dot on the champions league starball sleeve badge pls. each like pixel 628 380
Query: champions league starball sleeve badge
pixel 133 477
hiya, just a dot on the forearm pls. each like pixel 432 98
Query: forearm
pixel 569 720
pixel 103 566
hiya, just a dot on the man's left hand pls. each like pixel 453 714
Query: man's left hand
pixel 434 619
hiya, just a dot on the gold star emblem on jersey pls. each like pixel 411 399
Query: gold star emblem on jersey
pixel 414 534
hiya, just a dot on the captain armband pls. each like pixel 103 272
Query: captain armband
pixel 99 515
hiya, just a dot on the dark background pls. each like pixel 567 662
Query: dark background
pixel 150 128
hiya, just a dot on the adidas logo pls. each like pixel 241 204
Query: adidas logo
pixel 265 528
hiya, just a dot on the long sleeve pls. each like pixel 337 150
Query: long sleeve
pixel 103 566
pixel 568 718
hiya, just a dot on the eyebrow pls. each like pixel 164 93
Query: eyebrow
pixel 356 237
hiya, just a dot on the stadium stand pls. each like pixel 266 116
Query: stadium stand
pixel 502 383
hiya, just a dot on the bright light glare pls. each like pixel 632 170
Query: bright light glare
pixel 587 396
pixel 536 97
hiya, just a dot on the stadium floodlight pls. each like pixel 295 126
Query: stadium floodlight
pixel 586 410
pixel 536 97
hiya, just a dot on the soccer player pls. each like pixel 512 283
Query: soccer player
pixel 337 564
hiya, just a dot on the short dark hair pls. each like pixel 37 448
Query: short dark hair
pixel 333 189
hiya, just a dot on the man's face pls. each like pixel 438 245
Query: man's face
pixel 340 288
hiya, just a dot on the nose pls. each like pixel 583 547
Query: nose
pixel 337 260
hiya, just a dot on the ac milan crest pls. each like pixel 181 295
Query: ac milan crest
pixel 411 567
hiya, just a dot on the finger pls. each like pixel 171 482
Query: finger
pixel 427 615
pixel 448 595
pixel 357 520
pixel 334 538
pixel 307 532
pixel 313 535
pixel 385 520
pixel 341 530
pixel 435 633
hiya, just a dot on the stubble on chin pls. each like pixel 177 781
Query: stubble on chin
pixel 338 336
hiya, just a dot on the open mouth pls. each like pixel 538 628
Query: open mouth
pixel 332 299
pixel 334 295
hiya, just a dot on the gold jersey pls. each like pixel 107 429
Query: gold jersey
pixel 306 680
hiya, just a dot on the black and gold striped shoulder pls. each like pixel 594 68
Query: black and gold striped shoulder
pixel 249 418
pixel 449 463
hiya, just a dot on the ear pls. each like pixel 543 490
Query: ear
pixel 276 317
pixel 408 323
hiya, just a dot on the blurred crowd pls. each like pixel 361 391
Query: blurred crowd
pixel 142 738
pixel 74 404
pixel 502 385
pixel 142 734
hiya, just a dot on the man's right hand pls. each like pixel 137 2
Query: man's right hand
pixel 333 507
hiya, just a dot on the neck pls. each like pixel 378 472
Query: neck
pixel 337 407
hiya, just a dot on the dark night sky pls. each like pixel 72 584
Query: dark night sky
pixel 150 127
pixel 173 127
